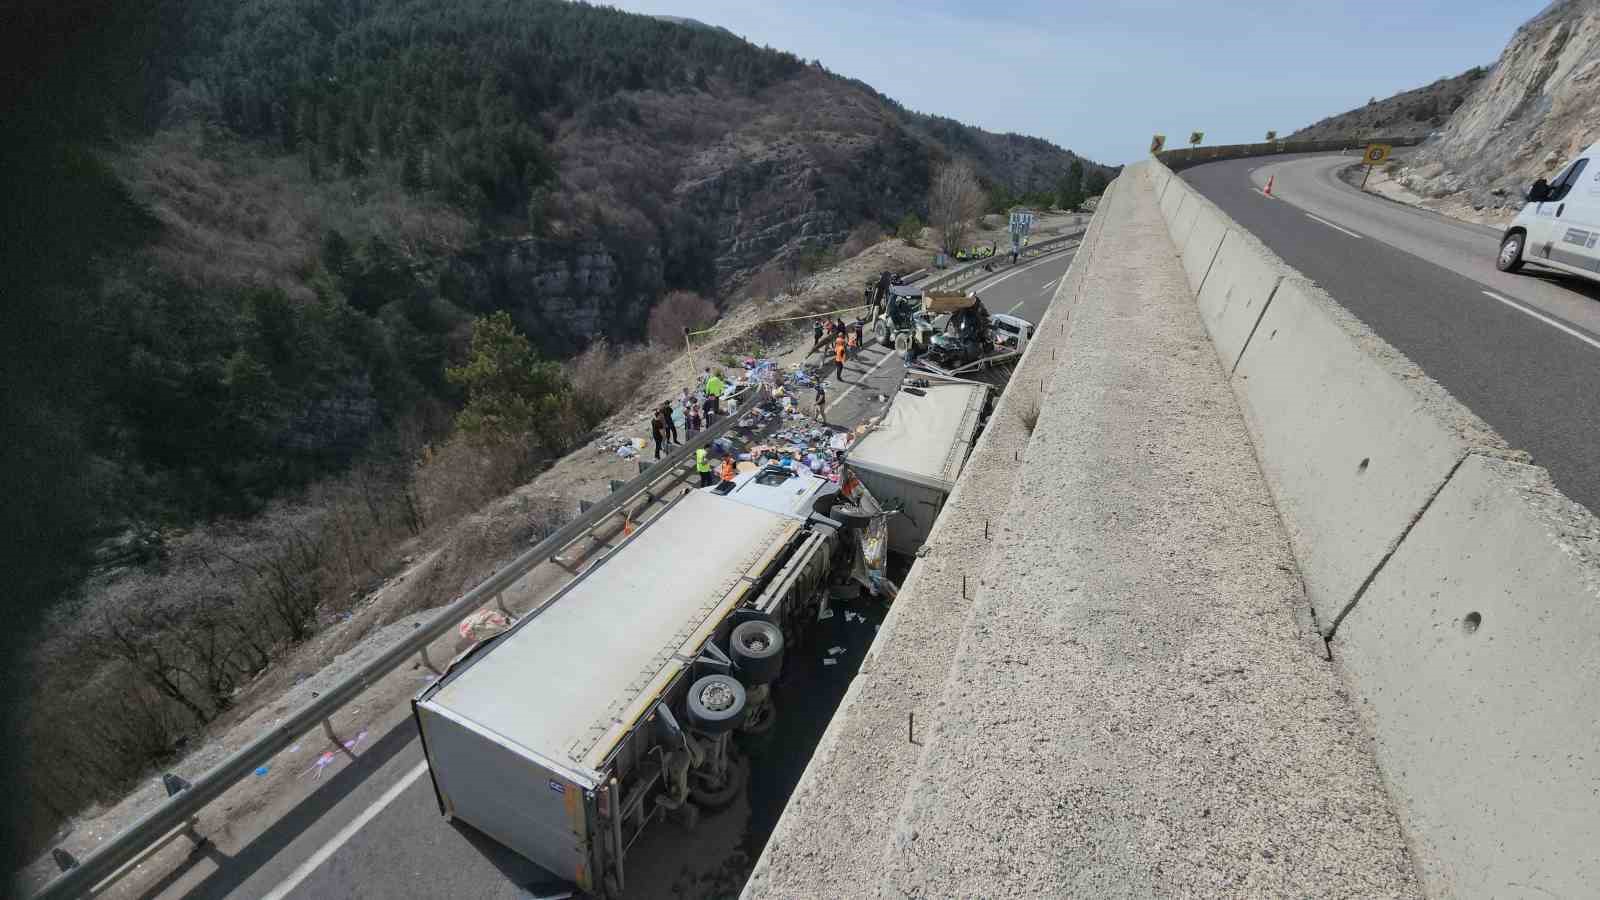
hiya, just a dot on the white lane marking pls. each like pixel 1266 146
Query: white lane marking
pixel 1333 226
pixel 1545 319
pixel 345 834
pixel 989 284
pixel 1049 285
pixel 868 374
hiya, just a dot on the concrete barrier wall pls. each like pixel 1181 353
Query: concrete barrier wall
pixel 1476 657
pixel 1457 587
pixel 1178 160
pixel 1236 291
pixel 1200 249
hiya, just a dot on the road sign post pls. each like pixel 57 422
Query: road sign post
pixel 1375 155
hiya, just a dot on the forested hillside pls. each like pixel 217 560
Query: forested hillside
pixel 243 240
pixel 267 224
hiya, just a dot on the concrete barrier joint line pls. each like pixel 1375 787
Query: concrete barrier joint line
pixel 1333 627
pixel 1256 324
pixel 1213 263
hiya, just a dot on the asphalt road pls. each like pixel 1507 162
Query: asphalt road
pixel 375 830
pixel 1522 351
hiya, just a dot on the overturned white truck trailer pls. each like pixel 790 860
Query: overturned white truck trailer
pixel 614 702
pixel 911 460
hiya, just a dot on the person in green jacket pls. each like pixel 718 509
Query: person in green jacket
pixel 714 388
pixel 702 464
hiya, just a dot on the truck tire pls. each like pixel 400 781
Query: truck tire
pixel 738 776
pixel 716 704
pixel 757 650
pixel 881 332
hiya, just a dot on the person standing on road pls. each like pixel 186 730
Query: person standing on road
pixel 729 471
pixel 691 418
pixel 658 431
pixel 816 334
pixel 822 402
pixel 851 344
pixel 902 342
pixel 838 357
pixel 714 389
pixel 861 338
pixel 670 423
pixel 702 464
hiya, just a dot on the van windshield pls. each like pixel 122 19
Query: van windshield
pixel 1568 178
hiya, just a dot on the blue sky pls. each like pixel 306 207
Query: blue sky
pixel 1100 78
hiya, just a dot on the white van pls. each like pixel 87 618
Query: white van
pixel 1560 224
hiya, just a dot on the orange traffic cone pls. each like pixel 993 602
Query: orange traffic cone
pixel 627 525
pixel 1270 179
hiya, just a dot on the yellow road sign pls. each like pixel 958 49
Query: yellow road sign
pixel 1376 153
pixel 1157 142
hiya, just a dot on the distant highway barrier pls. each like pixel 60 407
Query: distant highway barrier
pixel 1457 587
pixel 1178 160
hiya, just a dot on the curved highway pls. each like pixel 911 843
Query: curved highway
pixel 1522 351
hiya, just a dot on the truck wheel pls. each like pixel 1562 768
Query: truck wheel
pixel 713 799
pixel 757 650
pixel 881 332
pixel 1510 258
pixel 716 704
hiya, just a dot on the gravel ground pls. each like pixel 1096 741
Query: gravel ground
pixel 1134 710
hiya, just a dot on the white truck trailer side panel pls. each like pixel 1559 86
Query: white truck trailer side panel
pixel 914 456
pixel 559 683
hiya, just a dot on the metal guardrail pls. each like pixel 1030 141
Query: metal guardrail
pixel 109 860
pixel 960 273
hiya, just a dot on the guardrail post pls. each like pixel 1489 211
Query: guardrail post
pixel 64 861
pixel 583 506
pixel 500 603
pixel 617 485
pixel 425 661
pixel 643 467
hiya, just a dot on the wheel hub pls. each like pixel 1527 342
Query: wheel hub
pixel 757 643
pixel 716 697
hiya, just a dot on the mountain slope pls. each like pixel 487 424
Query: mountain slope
pixel 1413 113
pixel 1538 108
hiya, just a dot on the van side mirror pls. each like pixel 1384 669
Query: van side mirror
pixel 1540 192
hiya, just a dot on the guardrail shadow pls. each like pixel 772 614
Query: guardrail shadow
pixel 233 871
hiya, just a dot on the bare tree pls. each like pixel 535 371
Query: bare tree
pixel 954 201
pixel 677 311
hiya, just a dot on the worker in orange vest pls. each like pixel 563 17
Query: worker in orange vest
pixel 728 470
pixel 838 357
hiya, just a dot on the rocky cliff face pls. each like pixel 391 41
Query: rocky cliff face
pixel 1538 107
pixel 563 293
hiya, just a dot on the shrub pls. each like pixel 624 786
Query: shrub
pixel 676 311
pixel 861 237
pixel 909 229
